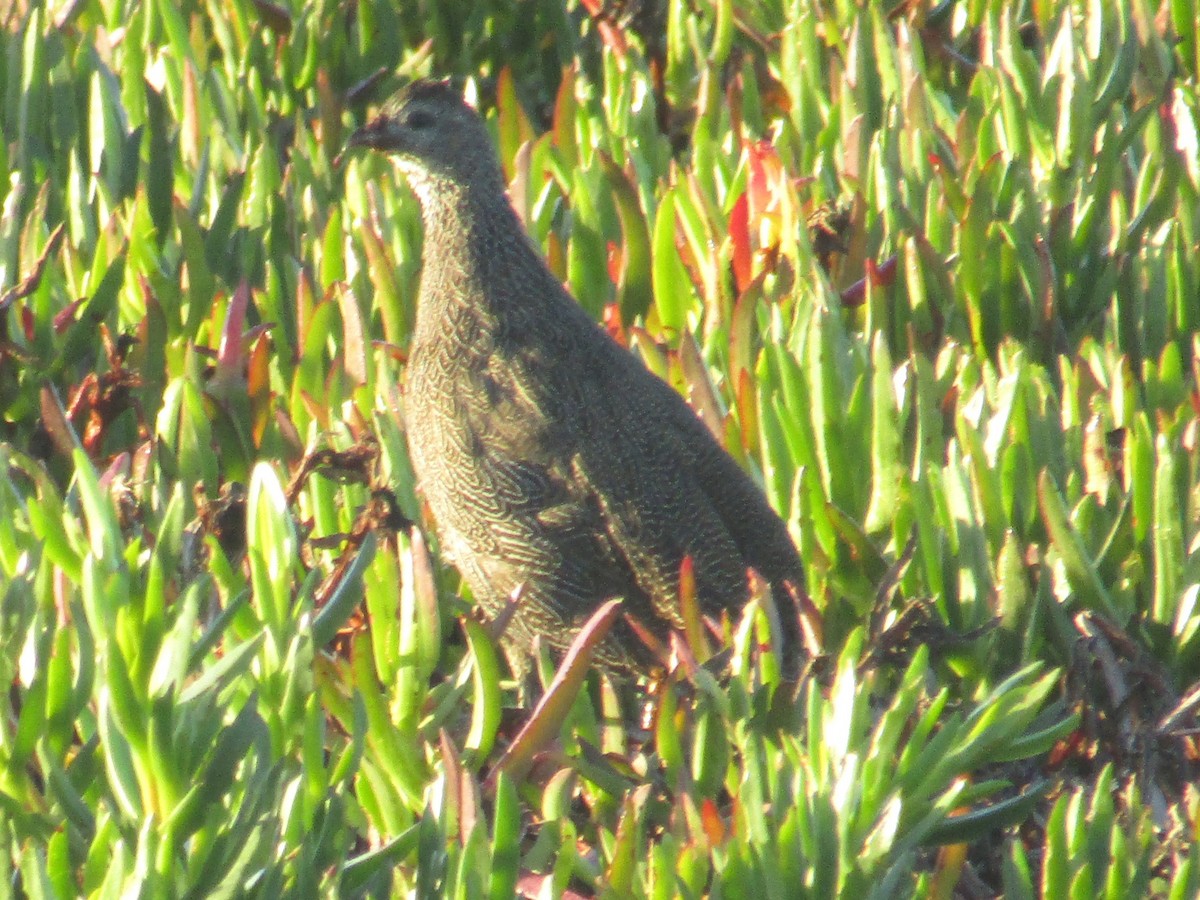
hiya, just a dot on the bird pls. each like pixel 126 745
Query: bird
pixel 558 469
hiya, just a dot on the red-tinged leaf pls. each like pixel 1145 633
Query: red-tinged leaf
pixel 329 114
pixel 812 625
pixel 354 338
pixel 689 610
pixel 190 126
pixel 305 303
pixel 292 442
pixel 425 593
pixel 634 279
pixel 734 103
pixel 117 471
pixel 758 185
pixel 556 256
pixel 948 869
pixel 773 94
pixel 687 581
pixel 93 434
pixel 767 190
pixel 461 801
pixel 612 324
pixel 471 812
pixel 683 657
pixel 882 275
pixel 610 32
pixel 649 640
pixel 565 111
pixel 317 410
pixel 56 423
pixel 513 124
pixel 30 282
pixel 232 350
pixel 613 37
pixel 258 386
pixel 253 334
pixel 518 190
pixel 653 354
pixel 741 327
pixel 746 398
pixel 878 276
pixel 547 718
pixel 452 772
pixel 1070 747
pixel 760 592
pixel 64 319
pixel 83 396
pixel 389 298
pixel 614 262
pixel 394 353
pixel 710 819
pixel 700 393
pixel 739 235
pixel 29 322
pixel 500 622
pixel 687 244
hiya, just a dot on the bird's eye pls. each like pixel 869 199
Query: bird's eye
pixel 418 119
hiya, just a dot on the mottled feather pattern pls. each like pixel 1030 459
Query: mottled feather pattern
pixel 556 466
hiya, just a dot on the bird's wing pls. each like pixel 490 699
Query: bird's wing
pixel 649 464
pixel 548 523
pixel 620 481
pixel 684 493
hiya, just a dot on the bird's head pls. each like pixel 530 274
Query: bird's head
pixel 434 137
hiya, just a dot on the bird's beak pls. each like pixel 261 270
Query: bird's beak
pixel 370 135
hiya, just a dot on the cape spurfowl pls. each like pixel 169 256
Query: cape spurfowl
pixel 558 468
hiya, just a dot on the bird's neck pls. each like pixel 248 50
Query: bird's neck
pixel 479 266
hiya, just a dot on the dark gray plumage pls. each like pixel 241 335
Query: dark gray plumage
pixel 554 462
